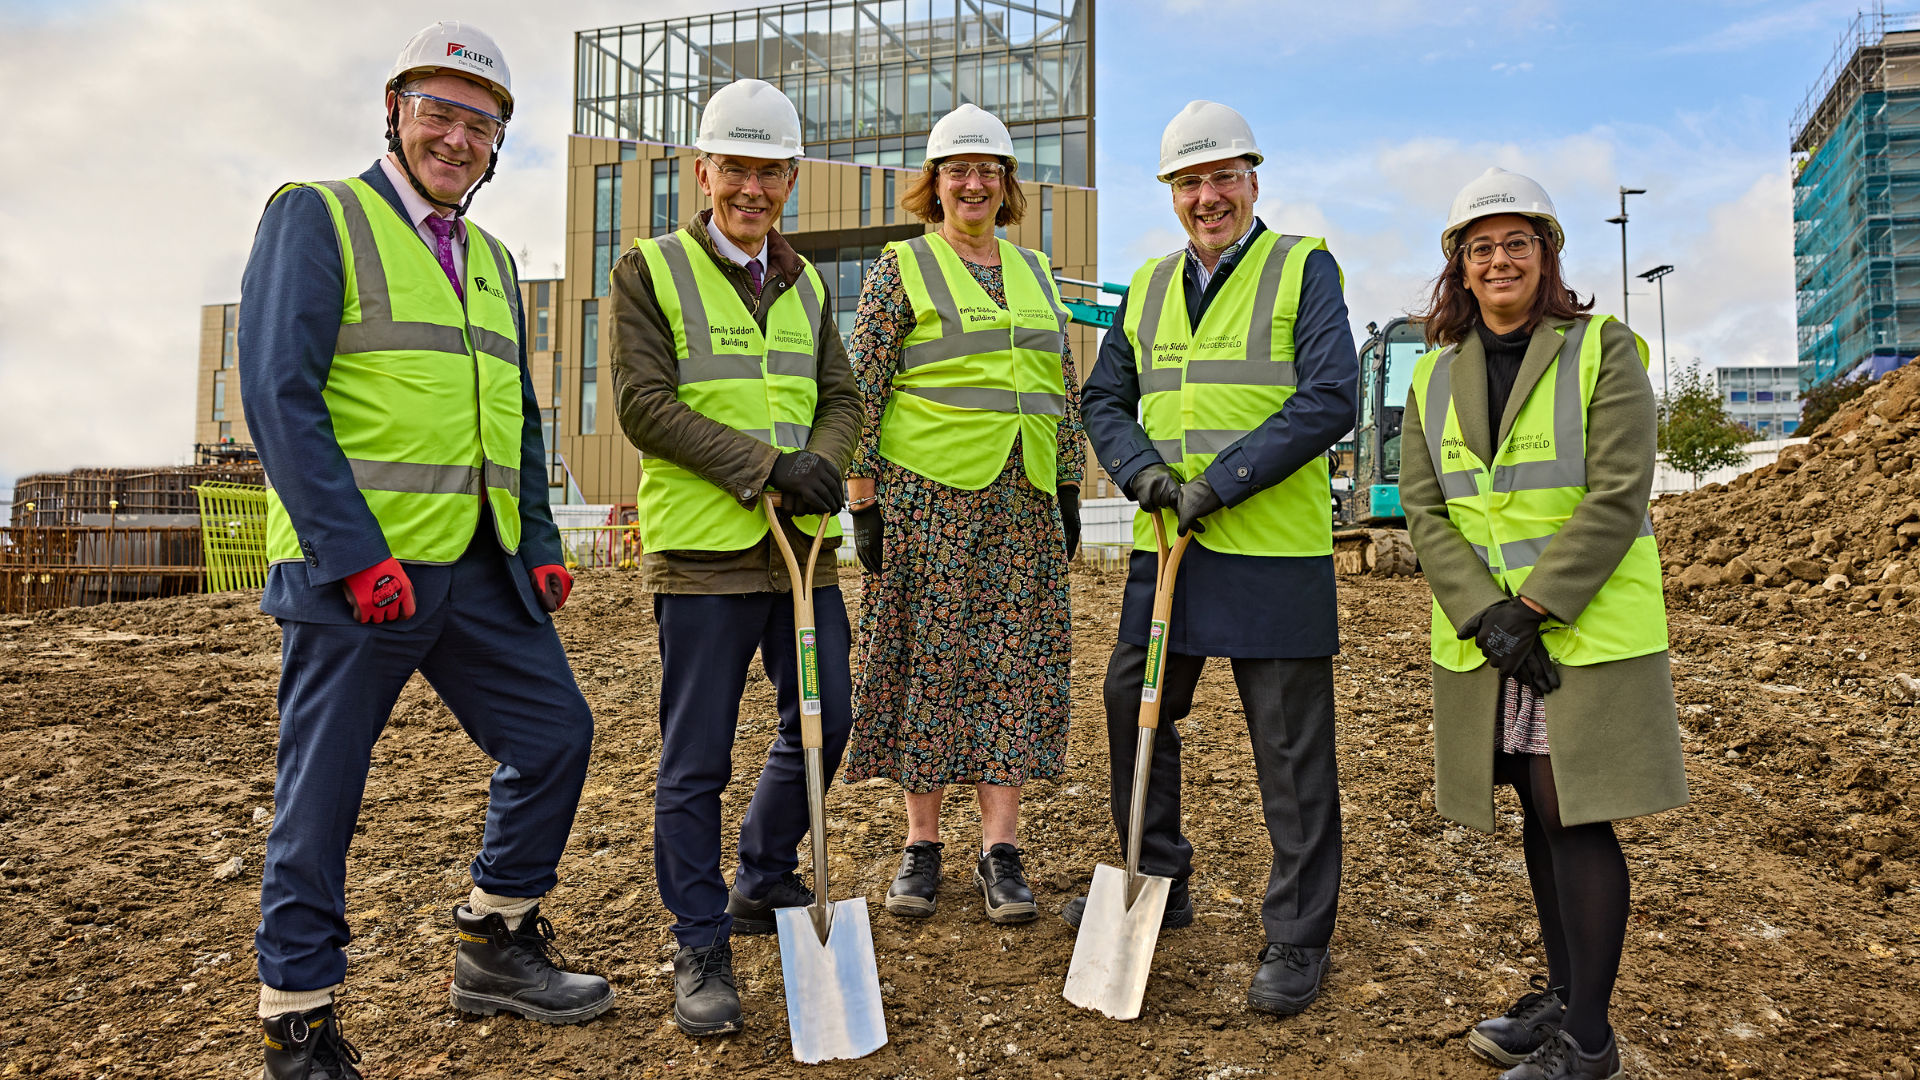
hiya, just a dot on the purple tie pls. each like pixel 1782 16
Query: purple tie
pixel 443 247
pixel 754 276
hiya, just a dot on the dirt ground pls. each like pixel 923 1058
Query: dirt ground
pixel 1774 933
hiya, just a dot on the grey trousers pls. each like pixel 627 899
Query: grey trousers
pixel 1289 707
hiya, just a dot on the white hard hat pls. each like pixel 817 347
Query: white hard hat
pixel 1205 131
pixel 750 118
pixel 460 47
pixel 969 129
pixel 1498 191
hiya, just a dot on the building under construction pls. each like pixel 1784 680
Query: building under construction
pixel 1856 201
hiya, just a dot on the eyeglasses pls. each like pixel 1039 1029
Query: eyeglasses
pixel 772 177
pixel 440 116
pixel 1518 247
pixel 990 172
pixel 1224 181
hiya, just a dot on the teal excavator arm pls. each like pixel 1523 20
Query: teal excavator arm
pixel 1090 312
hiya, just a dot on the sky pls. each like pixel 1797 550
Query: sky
pixel 140 141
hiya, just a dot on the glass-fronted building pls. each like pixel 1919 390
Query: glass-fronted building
pixel 1764 399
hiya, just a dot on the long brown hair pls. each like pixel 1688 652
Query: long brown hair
pixel 922 197
pixel 1453 311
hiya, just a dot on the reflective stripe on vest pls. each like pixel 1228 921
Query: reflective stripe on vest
pixel 1510 513
pixel 974 374
pixel 428 424
pixel 762 384
pixel 1202 391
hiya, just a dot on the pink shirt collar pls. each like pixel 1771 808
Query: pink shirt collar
pixel 418 209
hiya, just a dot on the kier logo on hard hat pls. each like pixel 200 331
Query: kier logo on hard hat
pixel 465 53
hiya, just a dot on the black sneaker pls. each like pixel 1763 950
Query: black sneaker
pixel 1288 979
pixel 705 1001
pixel 1560 1058
pixel 756 916
pixel 518 971
pixel 1508 1039
pixel 1003 883
pixel 1179 911
pixel 308 1046
pixel 913 888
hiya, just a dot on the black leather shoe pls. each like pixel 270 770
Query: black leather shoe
pixel 756 916
pixel 308 1046
pixel 1288 979
pixel 1560 1058
pixel 705 1001
pixel 1508 1039
pixel 1003 882
pixel 913 888
pixel 1179 911
pixel 500 970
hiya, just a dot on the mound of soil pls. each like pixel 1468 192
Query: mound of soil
pixel 1773 931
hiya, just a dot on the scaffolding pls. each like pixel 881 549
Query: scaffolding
pixel 1856 201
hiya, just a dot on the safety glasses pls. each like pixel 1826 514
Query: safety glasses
pixel 440 116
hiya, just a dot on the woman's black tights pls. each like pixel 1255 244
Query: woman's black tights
pixel 1579 878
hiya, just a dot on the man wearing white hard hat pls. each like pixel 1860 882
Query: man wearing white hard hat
pixel 1229 374
pixel 383 361
pixel 731 381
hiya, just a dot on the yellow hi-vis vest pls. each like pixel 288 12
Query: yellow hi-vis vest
pixel 1510 511
pixel 763 385
pixel 1203 390
pixel 424 392
pixel 973 374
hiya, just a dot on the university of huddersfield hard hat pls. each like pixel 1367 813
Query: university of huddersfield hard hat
pixel 1498 191
pixel 750 118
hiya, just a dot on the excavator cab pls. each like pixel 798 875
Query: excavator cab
pixel 1386 372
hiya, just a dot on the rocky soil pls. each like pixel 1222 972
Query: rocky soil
pixel 1775 928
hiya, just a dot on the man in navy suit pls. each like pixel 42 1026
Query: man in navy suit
pixel 408 531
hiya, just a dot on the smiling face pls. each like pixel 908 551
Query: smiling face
pixel 747 200
pixel 448 163
pixel 1504 285
pixel 1214 219
pixel 971 204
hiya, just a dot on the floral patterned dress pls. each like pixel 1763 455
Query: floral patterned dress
pixel 965 637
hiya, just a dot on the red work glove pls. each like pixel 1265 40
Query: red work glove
pixel 552 584
pixel 380 593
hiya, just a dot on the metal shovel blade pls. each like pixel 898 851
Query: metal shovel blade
pixel 833 990
pixel 1115 946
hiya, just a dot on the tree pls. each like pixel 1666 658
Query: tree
pixel 1820 403
pixel 1696 434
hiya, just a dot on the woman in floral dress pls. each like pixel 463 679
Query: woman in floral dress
pixel 965 641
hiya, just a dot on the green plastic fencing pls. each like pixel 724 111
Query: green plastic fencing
pixel 233 529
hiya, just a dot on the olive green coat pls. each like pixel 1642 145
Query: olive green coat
pixel 1612 727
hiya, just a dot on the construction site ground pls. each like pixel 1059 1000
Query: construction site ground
pixel 1774 932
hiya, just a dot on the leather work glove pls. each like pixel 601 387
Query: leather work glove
pixel 551 585
pixel 868 537
pixel 1197 500
pixel 380 593
pixel 1156 488
pixel 807 483
pixel 1070 518
pixel 1508 632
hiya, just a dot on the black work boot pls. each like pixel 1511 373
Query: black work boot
pixel 1179 911
pixel 1288 979
pixel 913 888
pixel 1561 1058
pixel 308 1046
pixel 1508 1039
pixel 756 916
pixel 1003 882
pixel 500 970
pixel 705 1001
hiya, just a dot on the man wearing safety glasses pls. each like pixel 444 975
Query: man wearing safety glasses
pixel 384 367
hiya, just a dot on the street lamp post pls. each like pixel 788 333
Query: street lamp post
pixel 1622 222
pixel 1658 275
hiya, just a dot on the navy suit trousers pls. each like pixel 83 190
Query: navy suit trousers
pixel 506 679
pixel 706 642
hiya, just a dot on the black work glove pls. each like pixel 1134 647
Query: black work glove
pixel 1156 488
pixel 1070 518
pixel 1508 632
pixel 1197 500
pixel 868 533
pixel 807 483
pixel 1538 670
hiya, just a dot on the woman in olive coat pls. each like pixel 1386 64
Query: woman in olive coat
pixel 1583 744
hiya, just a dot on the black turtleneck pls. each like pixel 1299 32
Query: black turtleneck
pixel 1504 354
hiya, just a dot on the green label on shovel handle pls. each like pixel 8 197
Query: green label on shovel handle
pixel 809 671
pixel 1156 645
